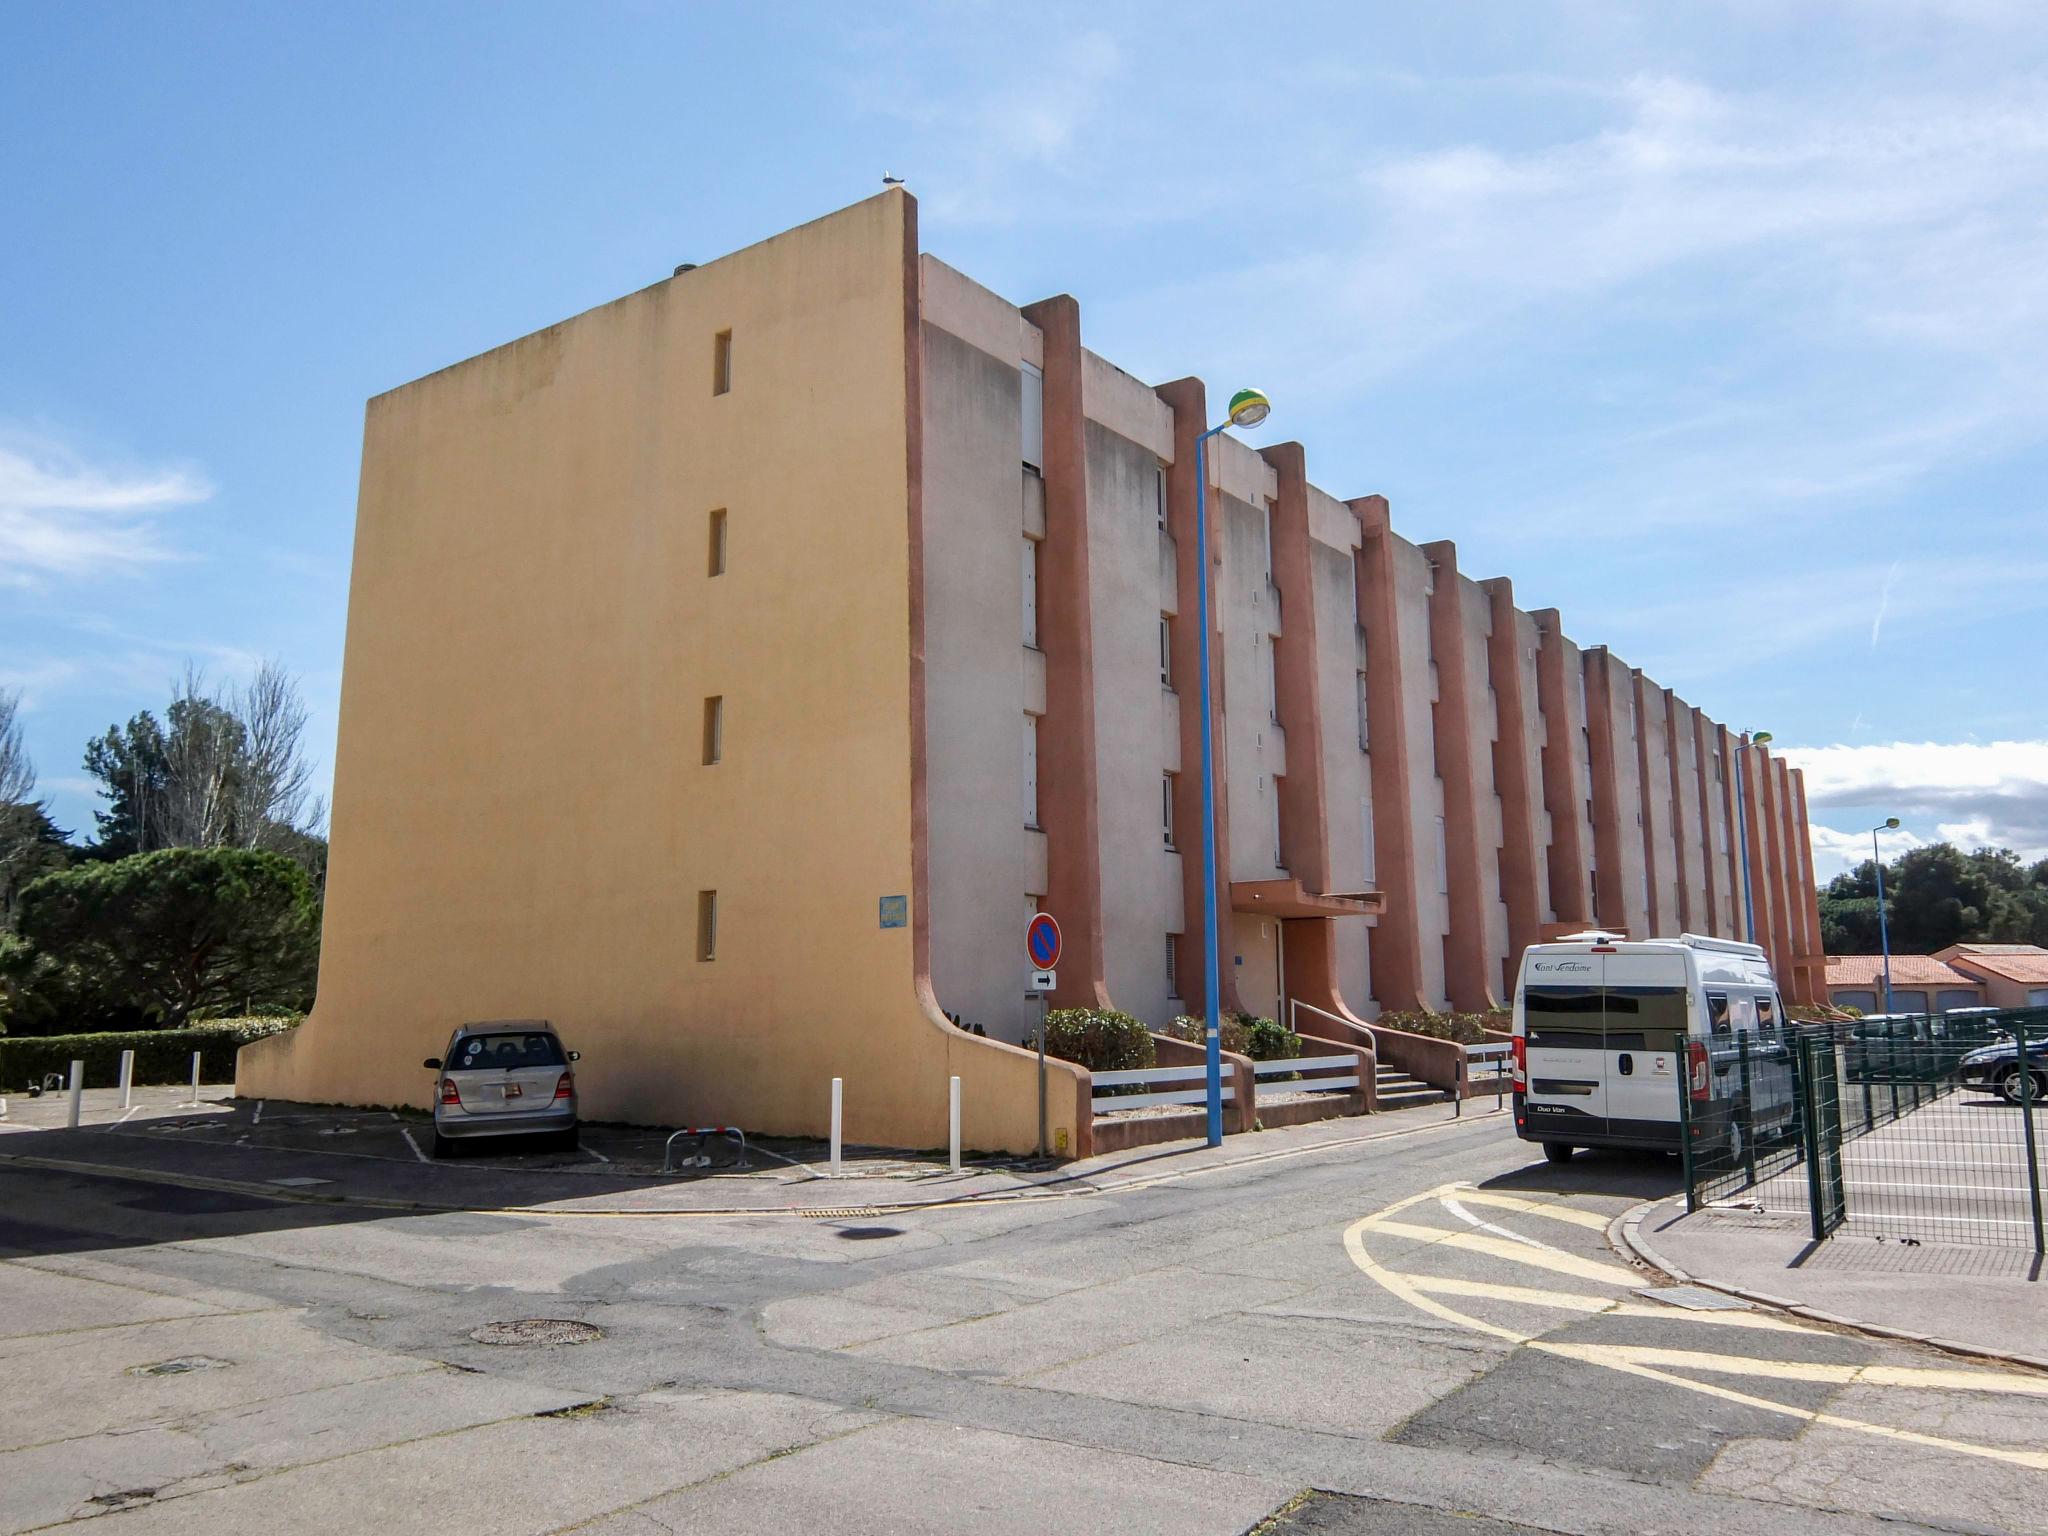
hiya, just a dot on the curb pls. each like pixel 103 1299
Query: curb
pixel 1077 1187
pixel 1625 1235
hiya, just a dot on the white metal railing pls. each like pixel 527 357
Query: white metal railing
pixel 1490 1060
pixel 1149 1077
pixel 1345 1065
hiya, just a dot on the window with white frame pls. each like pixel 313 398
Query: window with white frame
pixel 1279 853
pixel 1159 493
pixel 1031 770
pixel 1166 807
pixel 1034 416
pixel 1031 592
pixel 1166 650
pixel 1272 678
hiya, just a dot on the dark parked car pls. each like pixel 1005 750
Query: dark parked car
pixel 1997 1067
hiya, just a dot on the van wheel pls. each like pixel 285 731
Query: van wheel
pixel 1558 1151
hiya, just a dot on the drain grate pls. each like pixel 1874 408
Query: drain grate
pixel 1695 1298
pixel 537 1330
pixel 179 1366
pixel 841 1212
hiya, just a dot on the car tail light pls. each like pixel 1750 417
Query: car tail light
pixel 565 1086
pixel 448 1093
pixel 1696 1074
pixel 1521 1064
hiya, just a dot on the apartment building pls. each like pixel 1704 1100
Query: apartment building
pixel 731 669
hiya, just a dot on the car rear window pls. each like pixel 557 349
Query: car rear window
pixel 484 1053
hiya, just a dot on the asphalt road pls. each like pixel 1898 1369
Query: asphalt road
pixel 1426 1334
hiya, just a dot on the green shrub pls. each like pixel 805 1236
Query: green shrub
pixel 1100 1039
pixel 1242 1034
pixel 161 1055
pixel 1464 1028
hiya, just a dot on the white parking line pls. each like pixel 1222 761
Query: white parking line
pixel 592 1151
pixel 257 1118
pixel 416 1152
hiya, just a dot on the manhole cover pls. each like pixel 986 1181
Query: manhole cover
pixel 179 1366
pixel 537 1330
pixel 868 1234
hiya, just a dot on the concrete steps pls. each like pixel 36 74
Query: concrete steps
pixel 1397 1090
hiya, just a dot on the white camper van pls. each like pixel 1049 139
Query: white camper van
pixel 1608 1034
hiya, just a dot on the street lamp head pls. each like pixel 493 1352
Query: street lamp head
pixel 1248 407
pixel 1891 824
pixel 1759 738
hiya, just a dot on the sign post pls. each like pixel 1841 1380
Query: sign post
pixel 1042 945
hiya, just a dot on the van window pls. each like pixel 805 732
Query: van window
pixel 1644 1018
pixel 1562 1016
pixel 1767 1015
pixel 1717 1014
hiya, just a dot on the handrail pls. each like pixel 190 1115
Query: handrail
pixel 1295 1005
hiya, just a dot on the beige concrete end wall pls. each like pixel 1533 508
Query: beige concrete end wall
pixel 523 821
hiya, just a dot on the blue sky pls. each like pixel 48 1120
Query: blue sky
pixel 1720 327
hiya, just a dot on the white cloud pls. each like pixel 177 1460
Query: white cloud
pixel 1972 793
pixel 63 515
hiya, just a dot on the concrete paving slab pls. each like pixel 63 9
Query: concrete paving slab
pixel 912 1476
pixel 1280 1370
pixel 74 1478
pixel 1042 1334
pixel 35 1301
pixel 520 1478
pixel 97 1382
pixel 1834 1467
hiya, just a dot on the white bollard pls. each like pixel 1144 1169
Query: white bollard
pixel 953 1123
pixel 838 1094
pixel 195 1079
pixel 127 1079
pixel 77 1093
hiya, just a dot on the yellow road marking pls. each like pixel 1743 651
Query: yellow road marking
pixel 2035 1459
pixel 1516 1253
pixel 1670 1314
pixel 1568 1301
pixel 1632 1361
pixel 1553 1212
pixel 1575 1301
pixel 1801 1370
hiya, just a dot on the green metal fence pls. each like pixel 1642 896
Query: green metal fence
pixel 1929 1127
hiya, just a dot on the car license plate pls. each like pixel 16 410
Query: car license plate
pixel 513 1091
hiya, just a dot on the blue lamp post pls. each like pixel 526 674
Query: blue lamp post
pixel 1247 409
pixel 1884 938
pixel 1742 832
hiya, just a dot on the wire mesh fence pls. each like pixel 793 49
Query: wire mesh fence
pixel 1921 1128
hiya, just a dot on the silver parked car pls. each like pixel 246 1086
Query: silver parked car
pixel 504 1077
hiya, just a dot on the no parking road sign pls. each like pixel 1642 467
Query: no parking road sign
pixel 1042 941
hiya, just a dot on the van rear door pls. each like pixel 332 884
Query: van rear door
pixel 1564 1049
pixel 1647 1021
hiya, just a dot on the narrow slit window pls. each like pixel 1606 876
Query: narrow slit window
pixel 717 561
pixel 1166 650
pixel 1173 965
pixel 707 925
pixel 714 729
pixel 1166 809
pixel 721 363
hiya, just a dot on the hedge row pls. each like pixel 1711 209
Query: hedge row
pixel 161 1055
pixel 1245 1034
